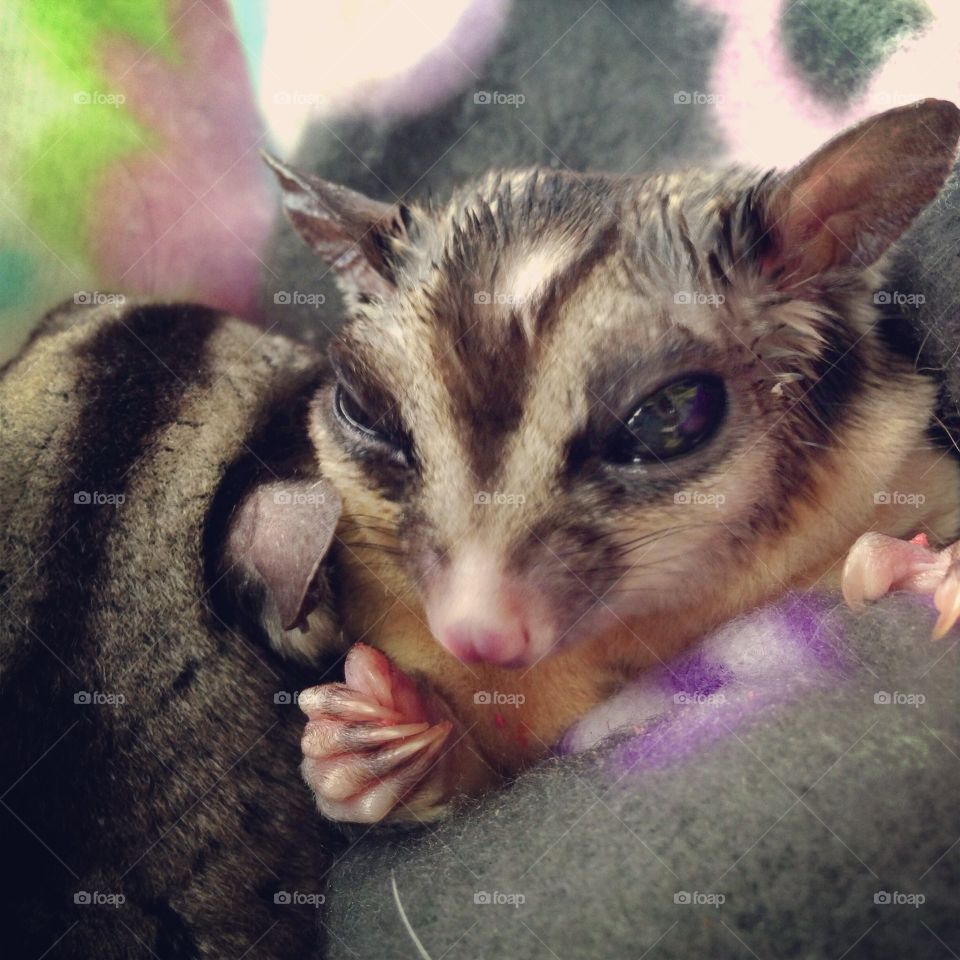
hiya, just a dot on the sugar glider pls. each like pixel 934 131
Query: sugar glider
pixel 148 795
pixel 577 420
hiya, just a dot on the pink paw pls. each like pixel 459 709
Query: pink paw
pixel 371 746
pixel 877 565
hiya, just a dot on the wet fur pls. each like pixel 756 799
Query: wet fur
pixel 504 389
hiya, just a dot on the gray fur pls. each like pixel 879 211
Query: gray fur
pixel 178 789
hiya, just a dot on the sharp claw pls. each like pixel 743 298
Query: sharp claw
pixel 367 708
pixel 396 755
pixel 379 800
pixel 368 670
pixel 395 732
pixel 334 701
pixel 324 739
pixel 947 601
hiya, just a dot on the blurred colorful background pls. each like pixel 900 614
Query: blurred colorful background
pixel 130 130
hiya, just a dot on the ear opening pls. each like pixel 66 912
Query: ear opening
pixel 847 203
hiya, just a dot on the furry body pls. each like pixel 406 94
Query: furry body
pixel 797 475
pixel 499 344
pixel 147 754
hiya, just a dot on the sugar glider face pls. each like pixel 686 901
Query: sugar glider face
pixel 568 400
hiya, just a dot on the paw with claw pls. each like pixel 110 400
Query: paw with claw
pixel 877 565
pixel 375 746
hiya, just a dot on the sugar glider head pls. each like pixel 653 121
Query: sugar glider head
pixel 564 400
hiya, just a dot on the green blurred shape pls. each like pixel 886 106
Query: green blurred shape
pixel 63 162
pixel 68 31
pixel 16 275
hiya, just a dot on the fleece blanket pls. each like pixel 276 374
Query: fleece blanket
pixel 784 788
pixel 787 788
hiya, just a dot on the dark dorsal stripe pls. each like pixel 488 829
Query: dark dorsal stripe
pixel 131 378
pixel 134 373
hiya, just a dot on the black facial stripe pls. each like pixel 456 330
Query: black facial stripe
pixel 380 465
pixel 391 479
pixel 837 377
pixel 649 483
pixel 901 337
pixel 485 359
pixel 810 428
pixel 487 386
pixel 597 248
pixel 621 377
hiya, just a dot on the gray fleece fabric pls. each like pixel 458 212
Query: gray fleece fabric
pixel 827 826
pixel 824 826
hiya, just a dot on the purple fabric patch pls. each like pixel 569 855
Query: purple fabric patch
pixel 733 676
pixel 698 675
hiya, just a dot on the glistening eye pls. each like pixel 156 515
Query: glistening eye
pixel 673 420
pixel 356 417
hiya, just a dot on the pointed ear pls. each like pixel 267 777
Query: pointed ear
pixel 280 534
pixel 346 229
pixel 849 201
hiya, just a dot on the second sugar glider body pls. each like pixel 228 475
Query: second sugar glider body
pixel 579 420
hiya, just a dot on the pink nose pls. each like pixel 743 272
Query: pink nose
pixel 473 642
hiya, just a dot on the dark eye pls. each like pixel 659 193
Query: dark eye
pixel 675 420
pixel 351 413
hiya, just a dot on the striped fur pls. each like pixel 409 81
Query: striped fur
pixel 526 318
pixel 184 797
